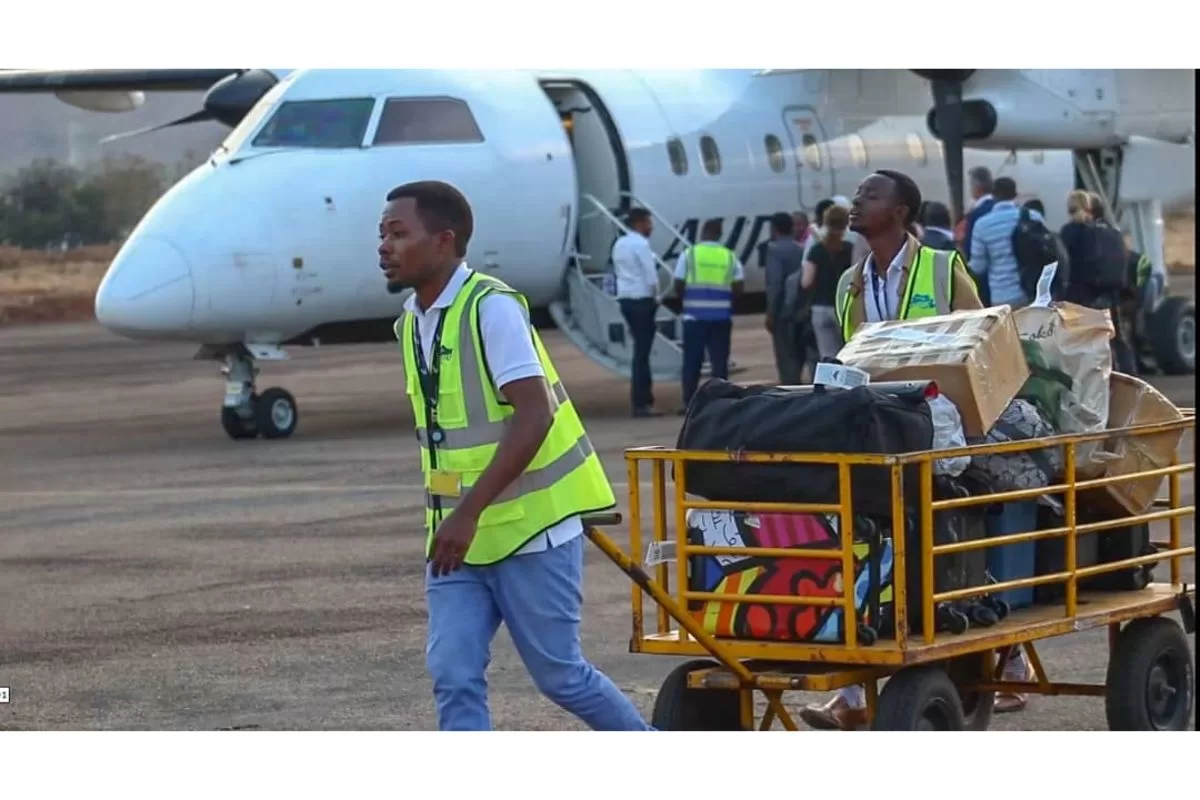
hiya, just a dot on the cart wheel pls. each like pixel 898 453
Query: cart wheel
pixel 1150 682
pixel 919 699
pixel 680 708
pixel 977 706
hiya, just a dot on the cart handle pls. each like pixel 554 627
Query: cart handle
pixel 602 520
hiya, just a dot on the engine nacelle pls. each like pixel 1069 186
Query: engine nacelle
pixel 111 102
pixel 1039 110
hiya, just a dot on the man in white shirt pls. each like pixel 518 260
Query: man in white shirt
pixel 528 579
pixel 637 293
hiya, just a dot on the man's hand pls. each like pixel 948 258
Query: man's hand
pixel 451 541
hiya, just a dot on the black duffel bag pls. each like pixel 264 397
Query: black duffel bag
pixel 879 418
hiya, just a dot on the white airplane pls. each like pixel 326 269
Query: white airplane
pixel 272 241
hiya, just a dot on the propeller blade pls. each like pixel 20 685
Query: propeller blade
pixel 199 116
pixel 947 104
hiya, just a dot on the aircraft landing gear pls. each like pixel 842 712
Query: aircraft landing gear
pixel 246 414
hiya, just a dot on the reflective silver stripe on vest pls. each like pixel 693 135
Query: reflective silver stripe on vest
pixel 943 274
pixel 479 433
pixel 533 480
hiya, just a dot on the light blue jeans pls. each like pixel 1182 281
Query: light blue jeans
pixel 538 596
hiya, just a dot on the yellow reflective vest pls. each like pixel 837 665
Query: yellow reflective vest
pixel 468 418
pixel 929 293
pixel 708 288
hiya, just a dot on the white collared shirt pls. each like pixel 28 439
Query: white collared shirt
pixel 635 268
pixel 511 356
pixel 882 300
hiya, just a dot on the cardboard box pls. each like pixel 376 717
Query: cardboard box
pixel 974 356
pixel 1134 402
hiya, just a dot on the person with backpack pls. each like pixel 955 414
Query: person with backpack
pixel 1004 238
pixel 1101 277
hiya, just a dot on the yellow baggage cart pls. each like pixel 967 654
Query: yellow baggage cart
pixel 916 677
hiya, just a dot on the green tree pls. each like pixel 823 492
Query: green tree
pixel 48 203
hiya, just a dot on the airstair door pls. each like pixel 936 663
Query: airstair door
pixel 814 170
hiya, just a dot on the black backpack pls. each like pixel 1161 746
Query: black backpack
pixel 1035 246
pixel 1111 259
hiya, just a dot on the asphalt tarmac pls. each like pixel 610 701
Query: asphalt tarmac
pixel 156 575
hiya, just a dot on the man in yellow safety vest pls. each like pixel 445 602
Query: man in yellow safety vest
pixel 899 279
pixel 707 278
pixel 508 472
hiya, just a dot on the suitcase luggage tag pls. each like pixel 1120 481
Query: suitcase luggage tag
pixel 444 483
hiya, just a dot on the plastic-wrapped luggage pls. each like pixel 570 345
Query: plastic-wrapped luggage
pixel 748 575
pixel 1030 469
pixel 873 581
pixel 866 419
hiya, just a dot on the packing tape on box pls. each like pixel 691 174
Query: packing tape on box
pixel 911 343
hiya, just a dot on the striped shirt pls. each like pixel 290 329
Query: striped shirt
pixel 992 257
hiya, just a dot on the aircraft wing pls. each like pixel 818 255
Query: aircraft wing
pixel 109 80
pixel 229 94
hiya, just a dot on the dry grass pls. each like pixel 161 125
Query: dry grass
pixel 60 287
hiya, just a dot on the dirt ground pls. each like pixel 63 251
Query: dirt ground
pixel 156 575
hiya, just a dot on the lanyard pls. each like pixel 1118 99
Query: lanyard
pixel 883 312
pixel 429 378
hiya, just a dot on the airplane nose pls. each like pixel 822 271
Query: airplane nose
pixel 148 289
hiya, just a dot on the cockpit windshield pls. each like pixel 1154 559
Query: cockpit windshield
pixel 317 123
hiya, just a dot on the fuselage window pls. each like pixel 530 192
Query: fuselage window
pixel 678 156
pixel 858 150
pixel 710 155
pixel 775 153
pixel 317 123
pixel 431 120
pixel 916 149
pixel 812 151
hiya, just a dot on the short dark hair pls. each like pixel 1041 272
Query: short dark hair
pixel 935 215
pixel 1004 189
pixel 1036 205
pixel 782 224
pixel 441 207
pixel 907 192
pixel 712 228
pixel 637 215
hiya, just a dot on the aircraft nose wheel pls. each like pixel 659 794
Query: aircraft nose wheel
pixel 275 414
pixel 272 415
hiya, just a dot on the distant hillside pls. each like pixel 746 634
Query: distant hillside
pixel 42 126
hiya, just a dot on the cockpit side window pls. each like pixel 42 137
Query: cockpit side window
pixel 426 120
pixel 317 123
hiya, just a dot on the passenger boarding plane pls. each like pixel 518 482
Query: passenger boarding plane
pixel 272 241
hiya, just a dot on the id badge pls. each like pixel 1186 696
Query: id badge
pixel 445 484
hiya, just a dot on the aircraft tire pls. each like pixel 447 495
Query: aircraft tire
pixel 275 414
pixel 1172 334
pixel 236 427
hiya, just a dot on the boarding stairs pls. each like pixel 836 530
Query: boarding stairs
pixel 590 316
